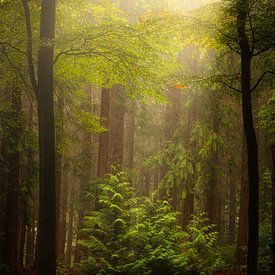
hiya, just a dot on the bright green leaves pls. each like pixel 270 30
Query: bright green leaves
pixel 131 235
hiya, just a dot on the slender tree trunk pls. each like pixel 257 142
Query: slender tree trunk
pixel 70 228
pixel 60 188
pixel 117 108
pixel 103 154
pixel 47 193
pixel 272 245
pixel 11 245
pixel 3 193
pixel 232 208
pixel 85 178
pixel 251 142
pixel 30 244
pixel 22 238
pixel 129 136
pixel 242 237
pixel 214 193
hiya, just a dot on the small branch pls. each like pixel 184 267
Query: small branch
pixel 29 46
pixel 253 35
pixel 260 79
pixel 12 47
pixel 231 87
pixel 261 51
pixel 232 49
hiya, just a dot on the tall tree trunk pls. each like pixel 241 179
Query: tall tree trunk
pixel 214 193
pixel 61 193
pixel 242 236
pixel 3 197
pixel 11 245
pixel 47 193
pixel 129 135
pixel 85 178
pixel 272 245
pixel 117 109
pixel 251 142
pixel 232 208
pixel 103 153
pixel 70 226
pixel 30 244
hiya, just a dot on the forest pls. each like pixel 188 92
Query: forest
pixel 137 137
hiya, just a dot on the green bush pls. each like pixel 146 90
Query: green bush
pixel 131 235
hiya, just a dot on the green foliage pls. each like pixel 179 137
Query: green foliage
pixel 267 116
pixel 201 240
pixel 130 235
pixel 264 241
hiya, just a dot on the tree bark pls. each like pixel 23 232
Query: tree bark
pixel 242 236
pixel 117 110
pixel 70 227
pixel 129 135
pixel 46 248
pixel 11 231
pixel 251 142
pixel 232 208
pixel 61 194
pixel 272 245
pixel 103 153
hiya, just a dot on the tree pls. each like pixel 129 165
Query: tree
pixel 43 88
pixel 47 198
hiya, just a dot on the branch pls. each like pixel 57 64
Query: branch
pixel 260 79
pixel 253 35
pixel 231 87
pixel 12 47
pixel 232 49
pixel 262 51
pixel 29 46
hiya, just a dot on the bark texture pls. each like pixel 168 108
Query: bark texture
pixel 46 254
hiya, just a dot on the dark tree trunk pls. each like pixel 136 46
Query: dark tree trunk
pixel 242 236
pixel 47 193
pixel 103 154
pixel 214 193
pixel 11 231
pixel 22 235
pixel 251 142
pixel 117 110
pixel 70 227
pixel 61 194
pixel 3 192
pixel 232 208
pixel 272 262
pixel 129 136
pixel 30 244
pixel 187 209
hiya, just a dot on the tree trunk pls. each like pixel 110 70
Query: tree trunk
pixel 129 135
pixel 103 153
pixel 30 244
pixel 232 208
pixel 214 193
pixel 12 239
pixel 61 197
pixel 251 142
pixel 70 228
pixel 84 179
pixel 242 236
pixel 117 108
pixel 272 245
pixel 47 193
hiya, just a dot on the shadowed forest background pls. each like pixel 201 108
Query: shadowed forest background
pixel 137 137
